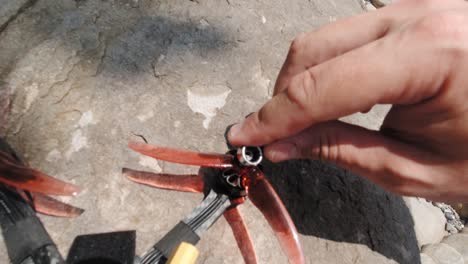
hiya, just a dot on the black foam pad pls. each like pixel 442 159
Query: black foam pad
pixel 106 248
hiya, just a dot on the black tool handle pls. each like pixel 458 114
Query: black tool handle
pixel 25 237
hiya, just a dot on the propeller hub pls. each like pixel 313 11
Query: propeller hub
pixel 249 156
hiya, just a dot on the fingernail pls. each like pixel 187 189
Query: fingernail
pixel 281 151
pixel 234 131
pixel 226 137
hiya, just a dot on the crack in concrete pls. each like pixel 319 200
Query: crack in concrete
pixel 99 67
pixel 64 95
pixel 18 128
pixel 64 80
pixel 97 17
pixel 20 11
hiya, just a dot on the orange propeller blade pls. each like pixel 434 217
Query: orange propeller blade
pixel 265 198
pixel 182 183
pixel 32 180
pixel 183 156
pixel 239 229
pixel 50 206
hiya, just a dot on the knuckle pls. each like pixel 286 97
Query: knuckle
pixel 297 45
pixel 258 126
pixel 302 91
pixel 325 145
pixel 254 123
pixel 329 149
pixel 443 26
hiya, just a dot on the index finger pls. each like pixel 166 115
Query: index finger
pixel 312 48
pixel 353 82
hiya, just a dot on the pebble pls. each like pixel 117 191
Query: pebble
pixel 449 216
pixel 454 223
pixel 451 228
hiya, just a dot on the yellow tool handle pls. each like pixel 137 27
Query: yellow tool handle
pixel 185 253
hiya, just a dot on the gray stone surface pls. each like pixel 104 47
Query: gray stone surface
pixel 426 259
pixel 460 243
pixel 9 10
pixel 4 108
pixel 87 76
pixel 443 254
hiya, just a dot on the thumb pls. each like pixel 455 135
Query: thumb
pixel 394 165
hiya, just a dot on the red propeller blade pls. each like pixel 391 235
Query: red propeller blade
pixel 183 156
pixel 182 183
pixel 32 180
pixel 50 206
pixel 239 229
pixel 265 198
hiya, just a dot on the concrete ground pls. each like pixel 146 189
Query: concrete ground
pixel 85 77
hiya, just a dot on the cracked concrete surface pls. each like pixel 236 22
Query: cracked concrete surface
pixel 11 10
pixel 85 77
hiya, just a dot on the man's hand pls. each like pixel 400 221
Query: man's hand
pixel 412 54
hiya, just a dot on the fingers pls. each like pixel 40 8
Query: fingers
pixel 394 165
pixel 318 84
pixel 312 48
pixel 353 82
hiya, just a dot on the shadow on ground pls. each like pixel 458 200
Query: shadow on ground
pixel 121 38
pixel 331 203
pixel 323 200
